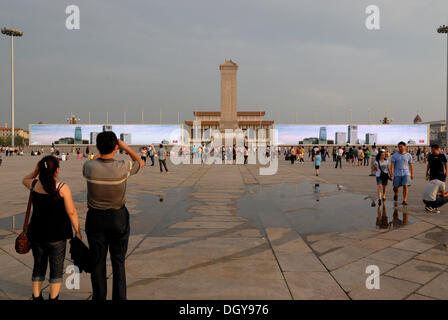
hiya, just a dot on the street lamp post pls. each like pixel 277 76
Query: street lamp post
pixel 12 33
pixel 444 29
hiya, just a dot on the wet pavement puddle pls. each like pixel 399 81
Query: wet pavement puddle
pixel 308 208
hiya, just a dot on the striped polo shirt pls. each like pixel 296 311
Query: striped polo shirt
pixel 106 182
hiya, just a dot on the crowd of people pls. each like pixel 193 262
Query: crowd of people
pixel 396 165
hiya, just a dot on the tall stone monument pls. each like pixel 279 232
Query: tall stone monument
pixel 228 118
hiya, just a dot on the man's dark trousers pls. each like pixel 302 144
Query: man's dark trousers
pixel 339 161
pixel 108 230
pixel 164 164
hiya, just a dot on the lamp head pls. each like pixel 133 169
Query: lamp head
pixel 443 29
pixel 12 32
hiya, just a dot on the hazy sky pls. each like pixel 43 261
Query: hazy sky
pixel 312 55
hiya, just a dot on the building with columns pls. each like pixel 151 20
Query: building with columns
pixel 229 117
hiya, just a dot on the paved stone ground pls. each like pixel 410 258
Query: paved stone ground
pixel 192 240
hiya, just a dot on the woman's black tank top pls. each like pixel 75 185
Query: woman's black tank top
pixel 49 221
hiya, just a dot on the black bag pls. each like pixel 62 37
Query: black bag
pixel 383 175
pixel 80 254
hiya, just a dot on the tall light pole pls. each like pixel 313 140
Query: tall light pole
pixel 444 29
pixel 12 33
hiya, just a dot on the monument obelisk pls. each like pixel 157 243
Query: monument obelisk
pixel 228 118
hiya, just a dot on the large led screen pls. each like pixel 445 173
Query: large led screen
pixel 352 134
pixel 140 134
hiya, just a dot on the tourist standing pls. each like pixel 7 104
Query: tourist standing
pixel 340 153
pixel 367 157
pixel 151 154
pixel 162 158
pixel 373 155
pixel 437 166
pixel 360 156
pixel 302 155
pixel 317 159
pixel 382 167
pixel 143 154
pixel 402 170
pixel 292 155
pixel 107 222
pixel 53 216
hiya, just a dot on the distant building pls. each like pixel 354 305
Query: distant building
pixel 437 132
pixel 353 134
pixel 228 117
pixel 6 132
pixel 66 140
pixel 340 137
pixel 310 141
pixel 93 136
pixel 78 135
pixel 323 135
pixel 371 138
pixel 418 119
pixel 125 137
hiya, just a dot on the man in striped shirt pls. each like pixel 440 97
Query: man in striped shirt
pixel 107 222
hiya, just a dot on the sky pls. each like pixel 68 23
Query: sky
pixel 299 60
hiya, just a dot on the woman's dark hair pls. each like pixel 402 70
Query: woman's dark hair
pixel 378 156
pixel 106 142
pixel 47 168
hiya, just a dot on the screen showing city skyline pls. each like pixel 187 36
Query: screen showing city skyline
pixel 46 134
pixel 352 134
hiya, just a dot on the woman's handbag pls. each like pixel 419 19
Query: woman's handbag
pixel 23 244
pixel 383 175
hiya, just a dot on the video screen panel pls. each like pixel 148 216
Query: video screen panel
pixel 140 134
pixel 353 134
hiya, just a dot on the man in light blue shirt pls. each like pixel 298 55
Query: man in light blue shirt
pixel 402 170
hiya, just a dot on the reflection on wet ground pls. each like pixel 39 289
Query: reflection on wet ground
pixel 308 207
pixel 314 208
pixel 159 212
pixel 384 222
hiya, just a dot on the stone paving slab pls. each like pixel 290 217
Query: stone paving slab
pixel 398 235
pixel 374 243
pixel 314 286
pixel 435 255
pixel 390 289
pixel 416 245
pixel 213 289
pixel 417 271
pixel 418 297
pixel 344 256
pixel 393 255
pixel 353 276
pixel 436 288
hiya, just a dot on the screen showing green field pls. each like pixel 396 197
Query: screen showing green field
pixel 47 134
pixel 353 134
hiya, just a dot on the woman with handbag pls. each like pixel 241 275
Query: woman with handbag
pixel 382 167
pixel 54 214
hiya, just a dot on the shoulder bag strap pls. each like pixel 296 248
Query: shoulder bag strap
pixel 379 167
pixel 28 208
